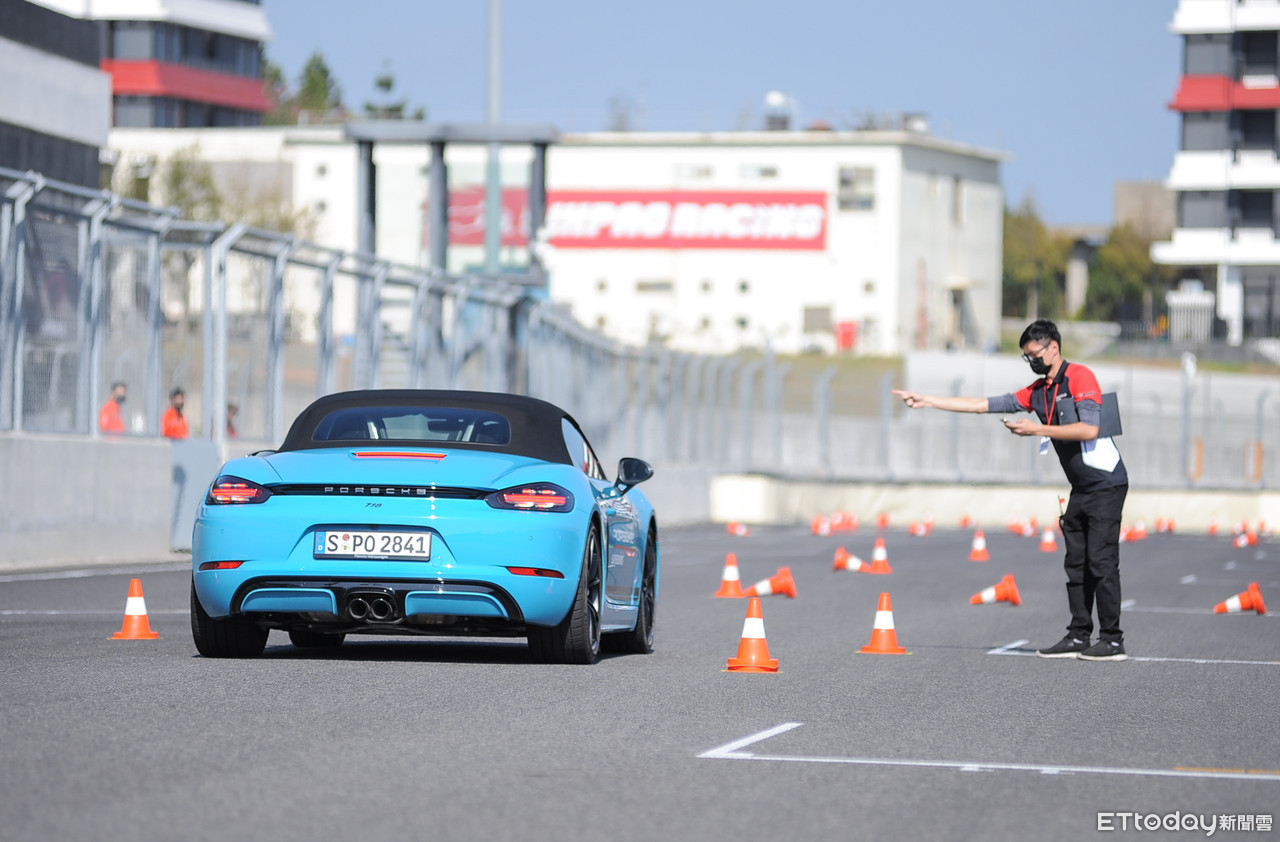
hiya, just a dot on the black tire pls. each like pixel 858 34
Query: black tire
pixel 576 639
pixel 639 641
pixel 307 639
pixel 232 637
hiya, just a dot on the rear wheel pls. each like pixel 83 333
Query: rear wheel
pixel 639 641
pixel 576 639
pixel 231 637
pixel 305 639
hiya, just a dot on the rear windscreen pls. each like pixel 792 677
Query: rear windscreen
pixel 403 423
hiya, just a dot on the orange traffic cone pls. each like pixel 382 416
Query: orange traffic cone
pixel 730 583
pixel 883 521
pixel 966 521
pixel 820 525
pixel 1245 539
pixel 135 625
pixel 1048 541
pixel 739 529
pixel 779 583
pixel 1213 527
pixel 979 550
pixel 1139 531
pixel 845 560
pixel 1250 599
pixel 753 650
pixel 884 640
pixel 1005 591
pixel 880 559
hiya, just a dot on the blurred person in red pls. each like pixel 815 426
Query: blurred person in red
pixel 173 424
pixel 109 419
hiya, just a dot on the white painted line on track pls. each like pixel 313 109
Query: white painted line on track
pixel 1004 650
pixel 24 612
pixel 733 751
pixel 1187 580
pixel 1012 649
pixel 87 572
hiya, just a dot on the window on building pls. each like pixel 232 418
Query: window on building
pixel 856 189
pixel 602 285
pixel 132 112
pixel 1207 55
pixel 1205 131
pixel 1259 53
pixel 132 40
pixel 706 286
pixel 1256 208
pixel 1202 209
pixel 663 285
pixel 168 43
pixel 869 287
pixel 601 322
pixel 957 200
pixel 704 323
pixel 744 287
pixel 742 322
pixel 1258 129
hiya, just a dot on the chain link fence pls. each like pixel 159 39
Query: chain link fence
pixel 253 325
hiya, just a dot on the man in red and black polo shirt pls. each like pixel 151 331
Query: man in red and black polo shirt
pixel 1068 403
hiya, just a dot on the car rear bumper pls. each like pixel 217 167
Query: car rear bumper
pixel 469 573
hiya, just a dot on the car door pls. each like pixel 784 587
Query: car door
pixel 622 551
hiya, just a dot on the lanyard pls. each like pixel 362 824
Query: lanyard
pixel 1048 415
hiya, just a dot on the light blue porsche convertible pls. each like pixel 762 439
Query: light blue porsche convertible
pixel 427 512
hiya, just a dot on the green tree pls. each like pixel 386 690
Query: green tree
pixel 319 96
pixel 388 108
pixel 1120 273
pixel 1035 265
pixel 275 85
pixel 187 183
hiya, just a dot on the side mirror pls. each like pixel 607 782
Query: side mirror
pixel 632 472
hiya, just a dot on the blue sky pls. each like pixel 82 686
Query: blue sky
pixel 1075 92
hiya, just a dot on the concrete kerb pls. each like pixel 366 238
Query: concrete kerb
pixel 760 499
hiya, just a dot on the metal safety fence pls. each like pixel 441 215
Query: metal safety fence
pixel 97 289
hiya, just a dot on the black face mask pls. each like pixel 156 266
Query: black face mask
pixel 1039 366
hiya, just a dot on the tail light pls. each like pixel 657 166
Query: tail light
pixel 538 497
pixel 229 490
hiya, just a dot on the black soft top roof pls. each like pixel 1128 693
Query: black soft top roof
pixel 536 429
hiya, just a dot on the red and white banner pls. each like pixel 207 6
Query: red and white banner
pixel 668 219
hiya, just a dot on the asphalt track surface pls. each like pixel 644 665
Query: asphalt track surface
pixel 966 737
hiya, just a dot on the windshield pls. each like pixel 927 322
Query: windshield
pixel 413 423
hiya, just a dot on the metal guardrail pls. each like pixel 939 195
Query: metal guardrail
pixel 96 288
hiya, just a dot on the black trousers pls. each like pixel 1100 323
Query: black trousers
pixel 1091 533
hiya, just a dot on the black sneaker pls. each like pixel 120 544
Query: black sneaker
pixel 1068 647
pixel 1104 650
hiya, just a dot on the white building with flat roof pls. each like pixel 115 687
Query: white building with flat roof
pixel 872 242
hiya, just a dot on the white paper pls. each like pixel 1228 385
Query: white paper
pixel 1044 445
pixel 1101 454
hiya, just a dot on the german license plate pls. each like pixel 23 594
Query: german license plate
pixel 355 543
